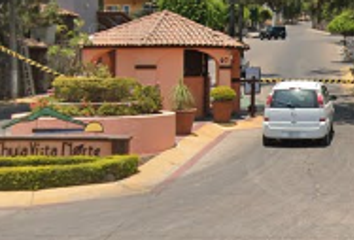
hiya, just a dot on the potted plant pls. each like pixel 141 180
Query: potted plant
pixel 222 103
pixel 184 105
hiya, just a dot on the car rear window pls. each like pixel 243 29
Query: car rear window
pixel 279 28
pixel 294 98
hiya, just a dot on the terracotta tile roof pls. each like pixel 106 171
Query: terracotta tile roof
pixel 163 29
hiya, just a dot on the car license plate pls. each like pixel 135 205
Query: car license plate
pixel 291 134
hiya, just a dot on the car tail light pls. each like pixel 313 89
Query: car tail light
pixel 322 119
pixel 266 119
pixel 320 100
pixel 269 100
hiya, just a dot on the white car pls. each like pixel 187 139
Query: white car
pixel 298 110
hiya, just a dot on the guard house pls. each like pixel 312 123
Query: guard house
pixel 162 48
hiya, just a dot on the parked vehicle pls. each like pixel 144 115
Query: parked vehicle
pixel 273 32
pixel 299 110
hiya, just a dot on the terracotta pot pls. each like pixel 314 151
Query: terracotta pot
pixel 184 121
pixel 222 111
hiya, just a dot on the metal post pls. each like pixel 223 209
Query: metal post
pixel 13 47
pixel 252 108
pixel 232 19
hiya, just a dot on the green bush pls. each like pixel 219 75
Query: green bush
pixel 43 160
pixel 135 98
pixel 343 24
pixel 222 93
pixel 78 89
pixel 51 176
pixel 148 99
pixel 111 109
pixel 70 110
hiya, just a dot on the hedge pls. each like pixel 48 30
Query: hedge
pixel 77 89
pixel 22 161
pixel 41 177
pixel 133 97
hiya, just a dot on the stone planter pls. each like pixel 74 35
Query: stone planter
pixel 222 111
pixel 184 121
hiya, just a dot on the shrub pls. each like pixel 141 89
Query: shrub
pixel 77 89
pixel 44 160
pixel 70 110
pixel 133 97
pixel 41 177
pixel 222 93
pixel 110 109
pixel 120 90
pixel 148 99
pixel 343 24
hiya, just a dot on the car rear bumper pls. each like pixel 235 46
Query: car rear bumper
pixel 295 133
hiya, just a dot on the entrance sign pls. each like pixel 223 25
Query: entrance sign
pixel 64 145
pixel 252 73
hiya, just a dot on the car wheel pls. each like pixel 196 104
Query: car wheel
pixel 269 38
pixel 261 38
pixel 332 130
pixel 267 142
pixel 326 140
pixel 276 38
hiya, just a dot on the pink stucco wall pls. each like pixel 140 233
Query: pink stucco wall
pixel 151 133
pixel 168 62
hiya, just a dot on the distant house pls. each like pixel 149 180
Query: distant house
pixel 129 7
pixel 86 9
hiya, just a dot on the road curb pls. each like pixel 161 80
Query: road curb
pixel 190 163
pixel 319 31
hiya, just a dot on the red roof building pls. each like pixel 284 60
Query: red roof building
pixel 162 48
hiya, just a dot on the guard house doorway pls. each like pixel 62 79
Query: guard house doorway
pixel 200 76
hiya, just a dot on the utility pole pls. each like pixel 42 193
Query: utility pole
pixel 13 47
pixel 232 18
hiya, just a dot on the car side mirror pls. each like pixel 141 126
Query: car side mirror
pixel 333 98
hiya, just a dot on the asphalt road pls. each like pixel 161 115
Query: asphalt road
pixel 305 54
pixel 239 190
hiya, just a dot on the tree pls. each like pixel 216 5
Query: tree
pixel 23 14
pixel 326 10
pixel 211 13
pixel 292 10
pixel 64 57
pixel 264 15
pixel 343 24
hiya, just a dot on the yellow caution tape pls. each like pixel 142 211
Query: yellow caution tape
pixel 330 81
pixel 29 61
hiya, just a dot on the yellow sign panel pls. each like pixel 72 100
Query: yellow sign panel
pixel 94 127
